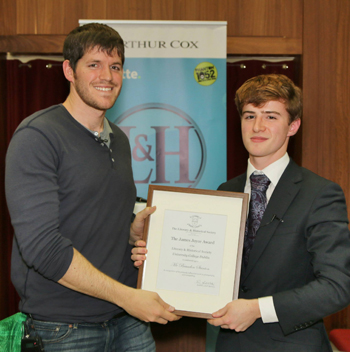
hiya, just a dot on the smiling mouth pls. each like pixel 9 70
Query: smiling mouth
pixel 102 89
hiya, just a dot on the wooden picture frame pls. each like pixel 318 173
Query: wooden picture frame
pixel 195 243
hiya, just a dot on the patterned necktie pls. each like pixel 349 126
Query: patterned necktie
pixel 257 206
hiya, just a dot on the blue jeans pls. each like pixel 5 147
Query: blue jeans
pixel 121 334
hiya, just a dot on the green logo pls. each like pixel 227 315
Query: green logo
pixel 205 73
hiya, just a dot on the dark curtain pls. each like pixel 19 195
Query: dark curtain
pixel 31 86
pixel 237 73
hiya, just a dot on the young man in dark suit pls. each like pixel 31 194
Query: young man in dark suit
pixel 296 266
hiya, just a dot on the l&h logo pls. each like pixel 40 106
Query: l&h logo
pixel 167 146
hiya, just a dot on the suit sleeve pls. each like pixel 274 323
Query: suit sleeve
pixel 326 231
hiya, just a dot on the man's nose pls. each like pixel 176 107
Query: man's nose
pixel 258 124
pixel 106 74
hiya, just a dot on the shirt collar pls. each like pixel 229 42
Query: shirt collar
pixel 274 171
pixel 107 130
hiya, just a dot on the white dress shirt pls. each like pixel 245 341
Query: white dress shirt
pixel 274 172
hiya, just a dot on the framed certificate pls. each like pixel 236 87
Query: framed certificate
pixel 195 243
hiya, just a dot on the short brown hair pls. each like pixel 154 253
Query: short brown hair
pixel 82 39
pixel 261 89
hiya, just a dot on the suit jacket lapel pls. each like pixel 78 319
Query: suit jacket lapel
pixel 283 195
pixel 241 182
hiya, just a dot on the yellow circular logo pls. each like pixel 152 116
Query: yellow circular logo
pixel 205 73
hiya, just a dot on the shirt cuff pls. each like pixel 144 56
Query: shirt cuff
pixel 267 310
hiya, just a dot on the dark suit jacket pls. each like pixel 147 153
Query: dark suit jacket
pixel 303 262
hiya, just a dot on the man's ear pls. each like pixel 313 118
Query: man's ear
pixel 68 71
pixel 294 127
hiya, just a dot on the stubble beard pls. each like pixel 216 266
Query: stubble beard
pixel 89 100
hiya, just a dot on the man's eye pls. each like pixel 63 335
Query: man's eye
pixel 271 117
pixel 249 117
pixel 116 68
